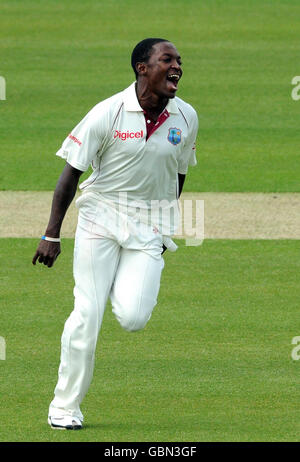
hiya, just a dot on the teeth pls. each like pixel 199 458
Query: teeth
pixel 174 76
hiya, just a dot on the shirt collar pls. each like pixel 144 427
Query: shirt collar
pixel 131 102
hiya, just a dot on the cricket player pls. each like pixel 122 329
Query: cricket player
pixel 139 143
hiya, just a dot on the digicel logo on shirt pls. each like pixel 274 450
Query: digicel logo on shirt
pixel 76 140
pixel 126 135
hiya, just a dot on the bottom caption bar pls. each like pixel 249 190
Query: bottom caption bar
pixel 150 450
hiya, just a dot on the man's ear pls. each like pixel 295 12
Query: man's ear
pixel 141 68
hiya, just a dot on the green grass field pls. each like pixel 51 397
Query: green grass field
pixel 60 58
pixel 214 363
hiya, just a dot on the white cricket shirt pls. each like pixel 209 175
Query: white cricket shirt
pixel 112 139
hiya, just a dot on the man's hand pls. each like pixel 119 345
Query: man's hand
pixel 47 252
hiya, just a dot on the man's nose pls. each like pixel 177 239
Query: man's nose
pixel 176 65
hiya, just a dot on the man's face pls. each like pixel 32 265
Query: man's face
pixel 163 70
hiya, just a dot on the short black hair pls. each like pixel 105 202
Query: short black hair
pixel 142 51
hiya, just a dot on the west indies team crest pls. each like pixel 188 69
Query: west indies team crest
pixel 174 136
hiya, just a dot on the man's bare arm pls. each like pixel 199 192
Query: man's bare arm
pixel 181 179
pixel 64 193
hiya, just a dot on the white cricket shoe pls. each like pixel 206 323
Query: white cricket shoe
pixel 65 422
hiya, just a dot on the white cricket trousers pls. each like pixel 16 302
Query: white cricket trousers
pixel 115 258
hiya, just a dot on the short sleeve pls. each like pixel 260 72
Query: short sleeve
pixel 81 146
pixel 188 156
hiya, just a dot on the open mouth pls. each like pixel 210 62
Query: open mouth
pixel 173 80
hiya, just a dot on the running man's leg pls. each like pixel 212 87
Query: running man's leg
pixel 135 289
pixel 95 263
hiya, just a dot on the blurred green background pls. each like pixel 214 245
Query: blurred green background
pixel 60 58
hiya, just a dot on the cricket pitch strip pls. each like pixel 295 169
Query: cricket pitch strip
pixel 226 215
